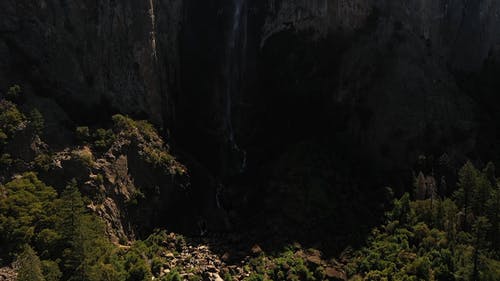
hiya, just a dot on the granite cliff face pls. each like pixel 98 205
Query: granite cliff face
pixel 244 89
pixel 105 55
pixel 126 56
pixel 463 31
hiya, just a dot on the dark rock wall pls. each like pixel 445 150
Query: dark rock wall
pixel 92 56
pixel 238 89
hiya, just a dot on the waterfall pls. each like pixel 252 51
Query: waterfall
pixel 153 29
pixel 235 53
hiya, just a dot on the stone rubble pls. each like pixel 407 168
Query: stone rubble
pixel 197 258
pixel 7 274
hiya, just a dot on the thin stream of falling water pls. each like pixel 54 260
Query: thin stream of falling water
pixel 234 55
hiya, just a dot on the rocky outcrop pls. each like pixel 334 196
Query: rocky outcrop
pixel 8 274
pixel 135 185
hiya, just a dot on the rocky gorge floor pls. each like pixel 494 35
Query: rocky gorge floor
pixel 231 258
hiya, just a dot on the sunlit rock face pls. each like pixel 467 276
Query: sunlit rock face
pixel 320 16
pixel 102 56
pixel 464 31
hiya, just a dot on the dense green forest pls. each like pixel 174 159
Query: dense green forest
pixel 50 234
pixel 453 238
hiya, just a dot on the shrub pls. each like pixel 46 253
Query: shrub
pixel 3 138
pixel 100 179
pixel 51 271
pixel 157 265
pixel 103 139
pixel 83 134
pixel 122 122
pixel 37 121
pixel 43 161
pixel 199 278
pixel 136 266
pixel 29 266
pixel 172 276
pixel 14 92
pixel 11 119
pixel 5 160
pixel 228 277
pixel 256 277
pixel 84 156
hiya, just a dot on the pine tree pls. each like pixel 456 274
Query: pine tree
pixel 29 266
pixel 86 250
pixel 51 270
pixel 480 230
pixel 489 172
pixel 402 210
pixel 467 182
pixel 420 187
pixel 71 211
pixel 481 192
pixel 36 121
pixel 493 214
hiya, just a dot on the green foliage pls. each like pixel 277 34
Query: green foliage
pixel 30 268
pixel 11 119
pixel 3 138
pixel 195 277
pixel 103 139
pixel 156 265
pixel 123 123
pixel 25 212
pixel 43 162
pixel 70 239
pixel 84 156
pixel 83 134
pixel 86 251
pixel 5 160
pixel 37 121
pixel 227 277
pixel 14 92
pixel 288 265
pixel 172 276
pixel 141 134
pixel 100 179
pixel 436 239
pixel 51 271
pixel 257 277
pixel 136 266
pixel 152 147
pixel 402 210
pixel 128 126
pixel 135 198
pixel 100 139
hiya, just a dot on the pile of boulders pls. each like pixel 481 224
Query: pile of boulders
pixel 198 259
pixel 7 274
